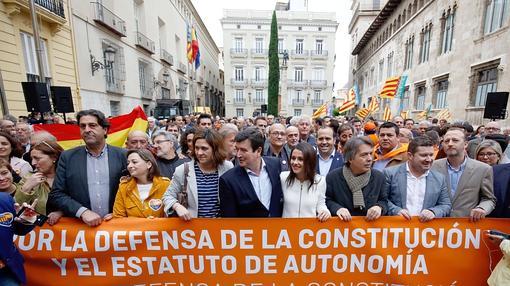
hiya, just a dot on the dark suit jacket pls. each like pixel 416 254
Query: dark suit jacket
pixel 238 197
pixel 502 190
pixel 338 194
pixel 9 254
pixel 338 161
pixel 70 189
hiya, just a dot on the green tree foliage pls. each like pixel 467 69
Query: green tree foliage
pixel 274 70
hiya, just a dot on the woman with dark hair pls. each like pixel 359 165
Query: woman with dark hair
pixel 11 151
pixel 6 178
pixel 187 142
pixel 199 178
pixel 38 185
pixel 140 195
pixel 304 191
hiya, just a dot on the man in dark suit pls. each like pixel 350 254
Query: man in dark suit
pixel 253 188
pixel 88 176
pixel 327 157
pixel 502 190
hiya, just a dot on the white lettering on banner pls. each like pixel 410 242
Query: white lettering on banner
pixel 229 239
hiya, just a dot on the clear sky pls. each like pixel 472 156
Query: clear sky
pixel 211 11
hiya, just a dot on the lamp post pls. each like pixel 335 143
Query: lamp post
pixel 109 58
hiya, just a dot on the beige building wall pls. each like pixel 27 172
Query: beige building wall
pixel 473 53
pixel 56 32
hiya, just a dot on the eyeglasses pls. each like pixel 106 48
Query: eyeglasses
pixel 278 133
pixel 160 142
pixel 489 154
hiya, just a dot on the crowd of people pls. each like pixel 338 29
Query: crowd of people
pixel 198 166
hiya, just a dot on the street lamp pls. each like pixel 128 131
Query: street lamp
pixel 109 58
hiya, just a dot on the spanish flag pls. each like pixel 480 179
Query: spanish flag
pixel 68 136
pixel 390 87
pixel 387 113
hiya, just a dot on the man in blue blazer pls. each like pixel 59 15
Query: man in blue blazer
pixel 502 190
pixel 88 176
pixel 328 159
pixel 253 188
pixel 415 190
pixel 11 261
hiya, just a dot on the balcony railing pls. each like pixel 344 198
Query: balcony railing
pixel 317 102
pixel 239 101
pixel 319 83
pixel 54 6
pixel 239 53
pixel 145 43
pixel 108 19
pixel 259 100
pixel 298 102
pixel 166 57
pixel 299 54
pixel 258 53
pixel 239 82
pixel 182 68
pixel 322 54
pixel 297 83
pixel 115 87
pixel 258 83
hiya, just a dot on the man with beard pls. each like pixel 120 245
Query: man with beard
pixel 415 190
pixel 470 182
pixel 389 151
pixel 328 158
pixel 166 153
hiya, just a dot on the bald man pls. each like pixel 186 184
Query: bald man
pixel 274 146
pixel 137 140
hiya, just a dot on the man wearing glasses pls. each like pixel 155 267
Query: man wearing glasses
pixel 166 146
pixel 275 144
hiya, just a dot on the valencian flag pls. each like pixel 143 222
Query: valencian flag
pixel 387 113
pixel 321 111
pixel 194 45
pixel 189 47
pixel 444 114
pixel 373 106
pixel 68 136
pixel 390 88
pixel 404 114
pixel 362 113
pixel 425 113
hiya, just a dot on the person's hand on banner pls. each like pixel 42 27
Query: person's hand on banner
pixel 323 215
pixel 373 213
pixel 54 217
pixel 477 214
pixel 108 217
pixel 344 214
pixel 91 218
pixel 182 212
pixel 404 213
pixel 427 215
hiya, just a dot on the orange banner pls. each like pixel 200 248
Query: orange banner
pixel 241 252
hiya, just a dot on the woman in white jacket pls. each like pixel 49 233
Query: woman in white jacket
pixel 304 191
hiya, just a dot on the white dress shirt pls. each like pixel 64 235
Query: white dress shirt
pixel 325 164
pixel 261 184
pixel 416 187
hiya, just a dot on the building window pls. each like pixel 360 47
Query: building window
pixel 114 108
pixel 299 95
pixel 280 45
pixel 239 112
pixel 239 73
pixel 408 63
pixel 297 112
pixel 319 29
pixel 259 45
pixel 381 70
pixel 238 26
pixel 299 46
pixel 300 28
pixel 486 81
pixel 441 93
pixel 318 74
pixel 317 95
pixel 239 95
pixel 372 76
pixel 259 27
pixel 29 54
pixel 298 75
pixel 406 99
pixel 420 97
pixel 318 46
pixel 146 78
pixel 496 15
pixel 258 74
pixel 389 72
pixel 165 93
pixel 238 45
pixel 259 96
pixel 447 31
pixel 425 43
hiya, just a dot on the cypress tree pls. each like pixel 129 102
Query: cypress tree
pixel 274 70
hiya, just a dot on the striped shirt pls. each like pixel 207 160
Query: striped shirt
pixel 208 196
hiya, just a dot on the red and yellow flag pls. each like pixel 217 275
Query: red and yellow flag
pixel 390 87
pixel 387 113
pixel 362 113
pixel 321 111
pixel 68 136
pixel 373 106
pixel 404 114
pixel 348 105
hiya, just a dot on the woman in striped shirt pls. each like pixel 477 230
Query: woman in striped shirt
pixel 207 165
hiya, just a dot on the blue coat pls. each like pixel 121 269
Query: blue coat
pixel 437 198
pixel 9 254
pixel 502 190
pixel 238 197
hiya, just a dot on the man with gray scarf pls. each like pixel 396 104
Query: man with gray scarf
pixel 356 189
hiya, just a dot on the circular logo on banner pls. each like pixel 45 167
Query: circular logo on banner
pixel 155 204
pixel 6 219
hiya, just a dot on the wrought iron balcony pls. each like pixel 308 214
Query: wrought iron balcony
pixel 239 53
pixel 297 83
pixel 239 82
pixel 145 43
pixel 54 6
pixel 51 11
pixel 182 68
pixel 239 101
pixel 108 19
pixel 318 83
pixel 259 53
pixel 319 54
pixel 299 54
pixel 166 57
pixel 259 83
pixel 115 87
pixel 257 100
pixel 298 102
pixel 317 102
